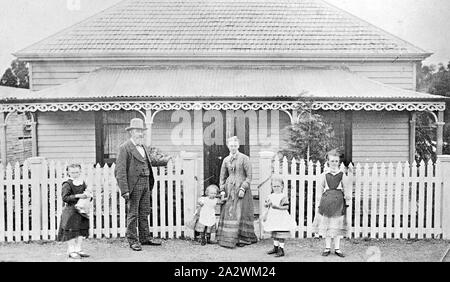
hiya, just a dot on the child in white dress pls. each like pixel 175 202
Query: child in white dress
pixel 204 220
pixel 277 220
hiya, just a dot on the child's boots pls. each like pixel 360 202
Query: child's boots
pixel 280 252
pixel 203 239
pixel 208 238
pixel 196 233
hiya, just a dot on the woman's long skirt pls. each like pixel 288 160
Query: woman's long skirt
pixel 236 223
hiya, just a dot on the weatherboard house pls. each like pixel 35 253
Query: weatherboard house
pixel 197 71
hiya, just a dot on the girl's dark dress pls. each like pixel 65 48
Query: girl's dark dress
pixel 332 201
pixel 331 217
pixel 72 223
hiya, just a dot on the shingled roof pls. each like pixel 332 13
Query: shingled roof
pixel 242 28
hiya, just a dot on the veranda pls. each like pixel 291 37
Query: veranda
pixel 398 200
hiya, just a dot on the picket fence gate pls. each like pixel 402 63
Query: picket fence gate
pixel 32 203
pixel 388 200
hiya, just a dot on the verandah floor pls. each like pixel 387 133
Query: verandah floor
pixel 297 250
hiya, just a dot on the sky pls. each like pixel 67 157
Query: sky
pixel 424 23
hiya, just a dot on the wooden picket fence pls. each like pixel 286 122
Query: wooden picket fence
pixel 389 201
pixel 32 204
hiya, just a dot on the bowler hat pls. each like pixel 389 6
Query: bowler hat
pixel 136 123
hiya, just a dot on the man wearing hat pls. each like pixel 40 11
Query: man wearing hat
pixel 135 179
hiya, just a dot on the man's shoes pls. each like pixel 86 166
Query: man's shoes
pixel 83 254
pixel 280 252
pixel 151 243
pixel 74 256
pixel 326 252
pixel 339 253
pixel 273 251
pixel 136 247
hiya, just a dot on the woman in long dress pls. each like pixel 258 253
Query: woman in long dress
pixel 236 226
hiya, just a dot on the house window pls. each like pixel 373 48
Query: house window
pixel 110 133
pixel 18 137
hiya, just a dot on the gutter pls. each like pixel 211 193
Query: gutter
pixel 223 56
pixel 218 99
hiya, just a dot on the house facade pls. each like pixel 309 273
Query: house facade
pixel 200 71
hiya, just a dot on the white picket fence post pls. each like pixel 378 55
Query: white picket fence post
pixel 444 161
pixel 178 182
pixel 114 195
pixel 265 166
pixel 189 188
pixel 36 165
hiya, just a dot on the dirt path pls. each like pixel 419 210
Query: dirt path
pixel 187 250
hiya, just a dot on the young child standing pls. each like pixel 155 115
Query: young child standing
pixel 73 226
pixel 277 220
pixel 330 221
pixel 205 220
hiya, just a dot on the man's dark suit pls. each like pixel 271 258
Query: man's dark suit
pixel 134 175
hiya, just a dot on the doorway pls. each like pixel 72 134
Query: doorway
pixel 110 133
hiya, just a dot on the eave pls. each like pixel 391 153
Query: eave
pixel 268 56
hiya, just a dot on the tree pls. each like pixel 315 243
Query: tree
pixel 434 80
pixel 8 79
pixel 425 77
pixel 425 138
pixel 310 138
pixel 17 75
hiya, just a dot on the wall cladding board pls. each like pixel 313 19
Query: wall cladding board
pixel 66 136
pixel 380 137
pixel 47 74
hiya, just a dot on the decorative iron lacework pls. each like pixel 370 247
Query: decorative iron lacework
pixel 208 105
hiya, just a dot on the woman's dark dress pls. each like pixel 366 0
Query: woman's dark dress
pixel 72 223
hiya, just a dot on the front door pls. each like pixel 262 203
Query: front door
pixel 214 154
